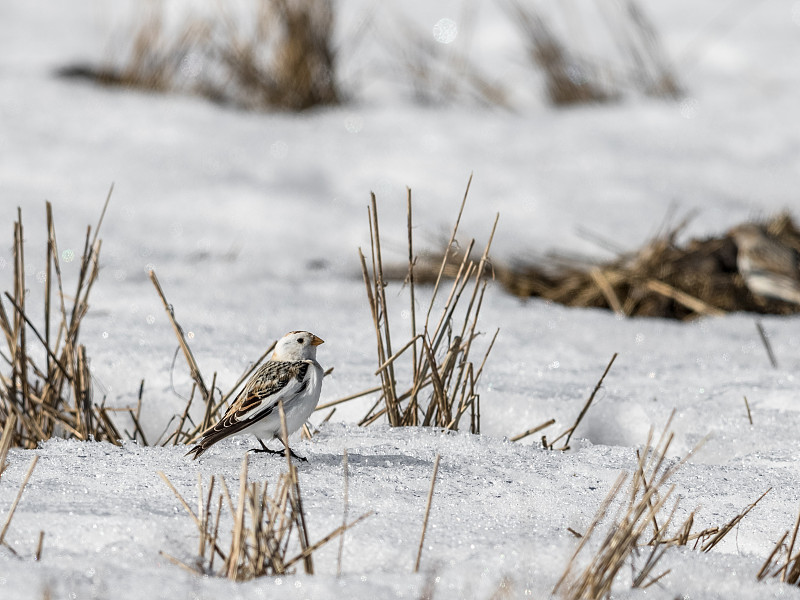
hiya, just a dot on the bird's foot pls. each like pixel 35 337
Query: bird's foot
pixel 279 452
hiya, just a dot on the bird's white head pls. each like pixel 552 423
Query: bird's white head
pixel 297 345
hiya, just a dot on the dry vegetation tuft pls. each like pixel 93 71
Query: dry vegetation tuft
pixel 639 525
pixel 443 381
pixel 262 530
pixel 277 55
pixel 626 52
pixel 47 390
pixel 664 278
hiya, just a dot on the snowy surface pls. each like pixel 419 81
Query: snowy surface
pixel 252 223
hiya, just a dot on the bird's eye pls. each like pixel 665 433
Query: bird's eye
pixel 301 341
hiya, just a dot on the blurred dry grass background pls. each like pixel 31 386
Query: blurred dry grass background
pixel 283 54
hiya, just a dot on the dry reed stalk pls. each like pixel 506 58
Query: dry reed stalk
pixel 767 346
pixel 440 351
pixel 187 352
pixel 14 505
pixel 568 433
pixel 749 414
pixel 533 430
pixel 428 504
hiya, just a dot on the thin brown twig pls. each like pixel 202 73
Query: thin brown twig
pixel 427 513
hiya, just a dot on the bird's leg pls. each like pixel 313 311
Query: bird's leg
pixel 280 452
pixel 264 448
pixel 291 453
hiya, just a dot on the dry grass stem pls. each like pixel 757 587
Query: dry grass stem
pixel 14 505
pixel 767 346
pixel 568 433
pixel 427 513
pixel 533 430
pixel 749 414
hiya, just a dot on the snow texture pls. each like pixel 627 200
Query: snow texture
pixel 252 222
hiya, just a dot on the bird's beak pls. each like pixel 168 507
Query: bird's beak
pixel 315 341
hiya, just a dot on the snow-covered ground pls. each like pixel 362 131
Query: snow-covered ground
pixel 252 222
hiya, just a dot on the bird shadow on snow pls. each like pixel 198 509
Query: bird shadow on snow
pixel 362 460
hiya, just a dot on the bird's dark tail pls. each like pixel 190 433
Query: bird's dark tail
pixel 196 451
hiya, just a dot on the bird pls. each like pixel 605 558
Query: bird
pixel 292 374
pixel 769 268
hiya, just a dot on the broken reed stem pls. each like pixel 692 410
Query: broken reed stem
pixel 427 513
pixel 749 414
pixel 187 352
pixel 589 402
pixel 767 346
pixel 533 430
pixel 18 498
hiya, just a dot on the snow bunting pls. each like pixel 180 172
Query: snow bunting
pixel 769 268
pixel 292 374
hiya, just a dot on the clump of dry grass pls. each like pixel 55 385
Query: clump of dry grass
pixel 277 55
pixel 443 381
pixel 626 537
pixel 48 391
pixel 629 57
pixel 646 499
pixel 662 279
pixel 263 526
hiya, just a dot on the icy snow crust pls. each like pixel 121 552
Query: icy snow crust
pixel 252 223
